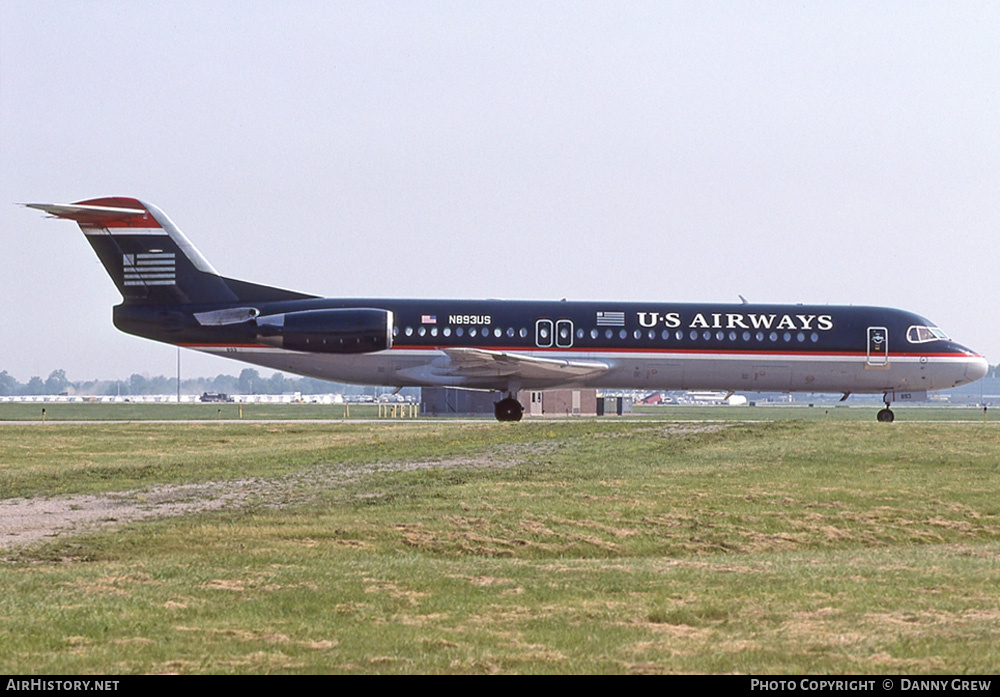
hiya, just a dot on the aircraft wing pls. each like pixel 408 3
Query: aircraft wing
pixel 479 363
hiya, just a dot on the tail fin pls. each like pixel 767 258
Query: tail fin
pixel 149 258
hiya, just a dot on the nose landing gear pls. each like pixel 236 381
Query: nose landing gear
pixel 886 415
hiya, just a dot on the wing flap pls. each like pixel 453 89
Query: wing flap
pixel 479 363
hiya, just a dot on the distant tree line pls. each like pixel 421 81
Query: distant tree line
pixel 249 381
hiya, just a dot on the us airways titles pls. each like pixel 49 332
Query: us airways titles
pixel 738 320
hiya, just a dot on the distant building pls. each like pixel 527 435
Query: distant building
pixel 614 406
pixel 984 391
pixel 559 402
pixel 446 401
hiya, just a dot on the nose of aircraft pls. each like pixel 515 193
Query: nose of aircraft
pixel 976 367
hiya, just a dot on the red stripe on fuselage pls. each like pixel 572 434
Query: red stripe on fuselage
pixel 575 349
pixel 725 352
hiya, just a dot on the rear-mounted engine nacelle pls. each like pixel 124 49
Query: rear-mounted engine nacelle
pixel 350 330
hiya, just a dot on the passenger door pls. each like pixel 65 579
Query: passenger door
pixel 878 346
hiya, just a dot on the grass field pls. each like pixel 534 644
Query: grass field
pixel 54 411
pixel 641 545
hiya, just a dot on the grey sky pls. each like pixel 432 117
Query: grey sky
pixel 792 152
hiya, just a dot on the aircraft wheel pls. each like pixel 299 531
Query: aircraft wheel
pixel 508 409
pixel 885 416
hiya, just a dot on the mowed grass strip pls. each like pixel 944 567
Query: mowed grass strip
pixel 542 547
pixel 209 412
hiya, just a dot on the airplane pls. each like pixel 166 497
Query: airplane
pixel 172 294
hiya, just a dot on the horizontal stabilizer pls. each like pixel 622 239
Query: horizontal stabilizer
pixel 95 215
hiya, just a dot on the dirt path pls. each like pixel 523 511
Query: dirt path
pixel 26 521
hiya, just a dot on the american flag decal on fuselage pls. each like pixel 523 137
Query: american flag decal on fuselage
pixel 149 269
pixel 610 319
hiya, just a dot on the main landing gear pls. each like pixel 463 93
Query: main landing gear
pixel 508 409
pixel 885 415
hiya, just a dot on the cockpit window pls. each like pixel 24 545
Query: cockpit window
pixel 919 335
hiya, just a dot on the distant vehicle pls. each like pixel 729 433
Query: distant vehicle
pixel 174 295
pixel 215 397
pixel 709 397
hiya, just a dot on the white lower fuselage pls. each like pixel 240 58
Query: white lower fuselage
pixel 640 370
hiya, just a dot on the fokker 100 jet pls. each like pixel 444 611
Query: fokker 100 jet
pixel 171 293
